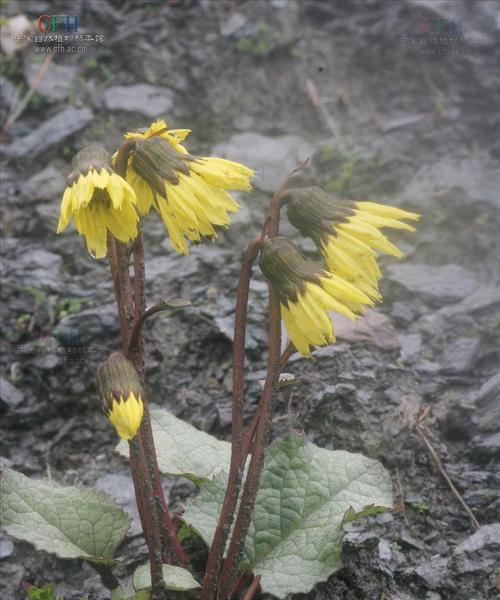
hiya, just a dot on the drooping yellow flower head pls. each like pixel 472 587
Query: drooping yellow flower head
pixel 121 394
pixel 347 233
pixel 307 293
pixel 189 192
pixel 99 201
pixel 126 415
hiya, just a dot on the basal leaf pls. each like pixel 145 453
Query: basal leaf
pixel 183 450
pixel 72 522
pixel 176 578
pixel 307 495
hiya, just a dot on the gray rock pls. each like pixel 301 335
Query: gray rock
pixel 489 445
pixel 56 83
pixel 52 131
pixel 48 214
pixel 232 24
pixel 479 552
pixel 120 487
pixel 460 355
pixel 411 345
pixel 482 298
pixel 490 390
pixel 6 547
pixel 7 96
pixel 88 325
pixel 37 268
pixel 141 98
pixel 487 401
pixel 272 157
pixel 475 179
pixel 384 550
pixel 401 122
pixel 10 394
pixel 437 285
pixel 433 572
pixel 47 184
pixel 486 537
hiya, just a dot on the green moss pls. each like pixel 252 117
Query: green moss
pixel 257 43
pixel 420 507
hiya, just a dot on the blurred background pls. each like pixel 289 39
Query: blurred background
pixel 395 102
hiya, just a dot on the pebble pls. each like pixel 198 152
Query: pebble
pixel 47 184
pixel 55 84
pixel 460 355
pixel 141 98
pixel 10 394
pixel 54 130
pixel 272 157
pixel 437 285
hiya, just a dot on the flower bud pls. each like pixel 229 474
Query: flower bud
pixel 121 394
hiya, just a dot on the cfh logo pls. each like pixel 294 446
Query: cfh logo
pixel 47 23
pixel 437 25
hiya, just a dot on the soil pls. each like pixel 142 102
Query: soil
pixel 382 115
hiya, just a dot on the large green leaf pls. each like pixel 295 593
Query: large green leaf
pixel 176 578
pixel 183 450
pixel 72 522
pixel 306 497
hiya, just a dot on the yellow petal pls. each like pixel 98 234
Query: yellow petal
pixel 387 211
pixel 83 190
pixel 66 210
pixel 99 179
pixel 223 173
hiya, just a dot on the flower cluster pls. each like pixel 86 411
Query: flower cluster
pixel 188 192
pixel 348 236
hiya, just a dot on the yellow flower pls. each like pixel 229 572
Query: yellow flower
pixel 347 233
pixel 189 192
pixel 307 293
pixel 121 394
pixel 126 415
pixel 99 201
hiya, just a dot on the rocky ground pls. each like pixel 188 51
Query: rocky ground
pixel 271 83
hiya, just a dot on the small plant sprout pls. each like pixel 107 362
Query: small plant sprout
pixel 272 513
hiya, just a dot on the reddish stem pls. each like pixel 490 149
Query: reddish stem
pixel 144 492
pixel 218 546
pixel 173 546
pixel 262 434
pixel 250 431
pixel 252 590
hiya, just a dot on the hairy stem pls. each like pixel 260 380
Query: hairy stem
pixel 152 528
pixel 237 464
pixel 131 306
pixel 172 547
pixel 252 427
pixel 262 434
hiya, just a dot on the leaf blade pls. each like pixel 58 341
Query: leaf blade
pixel 71 522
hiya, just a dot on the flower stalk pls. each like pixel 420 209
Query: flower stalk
pixel 237 465
pixel 158 527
